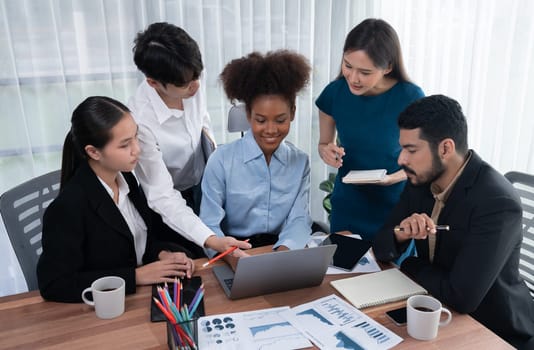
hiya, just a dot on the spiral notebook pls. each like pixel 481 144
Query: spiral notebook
pixel 377 288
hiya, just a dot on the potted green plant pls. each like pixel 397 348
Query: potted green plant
pixel 328 186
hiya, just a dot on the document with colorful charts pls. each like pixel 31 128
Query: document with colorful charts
pixel 261 329
pixel 332 323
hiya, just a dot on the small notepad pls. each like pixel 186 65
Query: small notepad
pixel 364 176
pixel 377 288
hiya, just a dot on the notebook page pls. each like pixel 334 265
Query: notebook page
pixel 377 288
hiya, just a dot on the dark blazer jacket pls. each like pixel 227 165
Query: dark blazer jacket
pixel 85 237
pixel 475 268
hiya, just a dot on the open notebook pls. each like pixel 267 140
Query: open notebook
pixel 377 288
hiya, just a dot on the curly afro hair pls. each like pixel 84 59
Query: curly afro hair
pixel 283 73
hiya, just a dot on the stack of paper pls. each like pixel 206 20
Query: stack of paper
pixel 364 176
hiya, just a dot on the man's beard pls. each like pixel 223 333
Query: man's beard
pixel 428 177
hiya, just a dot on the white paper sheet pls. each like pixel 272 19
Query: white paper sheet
pixel 332 323
pixel 261 329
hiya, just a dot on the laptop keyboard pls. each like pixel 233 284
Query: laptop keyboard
pixel 229 282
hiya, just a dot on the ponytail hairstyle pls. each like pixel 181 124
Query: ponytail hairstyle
pixel 91 124
pixel 283 73
pixel 380 42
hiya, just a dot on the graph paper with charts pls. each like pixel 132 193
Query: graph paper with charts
pixel 261 329
pixel 331 323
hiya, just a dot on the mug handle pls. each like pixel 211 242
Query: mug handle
pixel 90 302
pixel 449 317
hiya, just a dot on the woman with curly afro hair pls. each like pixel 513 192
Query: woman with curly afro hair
pixel 257 187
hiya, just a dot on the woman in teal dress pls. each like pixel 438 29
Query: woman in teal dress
pixel 362 105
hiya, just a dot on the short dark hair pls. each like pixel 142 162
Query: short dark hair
pixel 281 72
pixel 166 53
pixel 438 117
pixel 380 41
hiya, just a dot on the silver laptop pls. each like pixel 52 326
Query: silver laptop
pixel 275 272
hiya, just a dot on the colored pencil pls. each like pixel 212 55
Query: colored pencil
pixel 194 305
pixel 167 314
pixel 177 302
pixel 217 257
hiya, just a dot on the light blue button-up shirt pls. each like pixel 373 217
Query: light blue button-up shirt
pixel 243 196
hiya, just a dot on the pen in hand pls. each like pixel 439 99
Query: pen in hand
pixel 438 227
pixel 226 252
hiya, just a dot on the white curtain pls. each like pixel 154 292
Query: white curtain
pixel 57 52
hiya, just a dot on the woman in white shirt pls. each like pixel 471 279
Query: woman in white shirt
pixel 170 109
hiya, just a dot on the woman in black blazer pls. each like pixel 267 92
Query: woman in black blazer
pixel 100 223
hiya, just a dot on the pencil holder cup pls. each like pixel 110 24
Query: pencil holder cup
pixel 182 335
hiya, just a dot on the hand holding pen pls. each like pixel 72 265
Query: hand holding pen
pixel 219 256
pixel 417 226
pixel 331 154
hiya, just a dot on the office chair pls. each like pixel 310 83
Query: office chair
pixel 524 185
pixel 237 122
pixel 237 119
pixel 22 209
pixel 207 144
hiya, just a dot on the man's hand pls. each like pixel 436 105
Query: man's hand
pixel 221 244
pixel 416 226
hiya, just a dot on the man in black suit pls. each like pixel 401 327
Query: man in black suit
pixel 472 267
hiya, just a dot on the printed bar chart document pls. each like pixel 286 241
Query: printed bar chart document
pixel 261 329
pixel 332 323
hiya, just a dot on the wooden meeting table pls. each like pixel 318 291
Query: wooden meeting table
pixel 29 322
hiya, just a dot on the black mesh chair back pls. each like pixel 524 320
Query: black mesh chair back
pixel 22 210
pixel 524 185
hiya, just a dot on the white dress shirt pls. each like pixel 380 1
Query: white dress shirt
pixel 171 157
pixel 133 219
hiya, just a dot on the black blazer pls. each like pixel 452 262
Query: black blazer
pixel 475 267
pixel 85 237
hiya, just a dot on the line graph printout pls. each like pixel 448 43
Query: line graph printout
pixel 332 323
pixel 262 329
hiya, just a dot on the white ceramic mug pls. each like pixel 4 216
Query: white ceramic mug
pixel 423 315
pixel 108 296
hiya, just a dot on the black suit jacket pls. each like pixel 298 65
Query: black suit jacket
pixel 85 237
pixel 475 268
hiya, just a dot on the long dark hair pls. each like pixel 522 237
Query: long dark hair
pixel 91 124
pixel 380 41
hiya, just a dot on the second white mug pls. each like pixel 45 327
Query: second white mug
pixel 423 315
